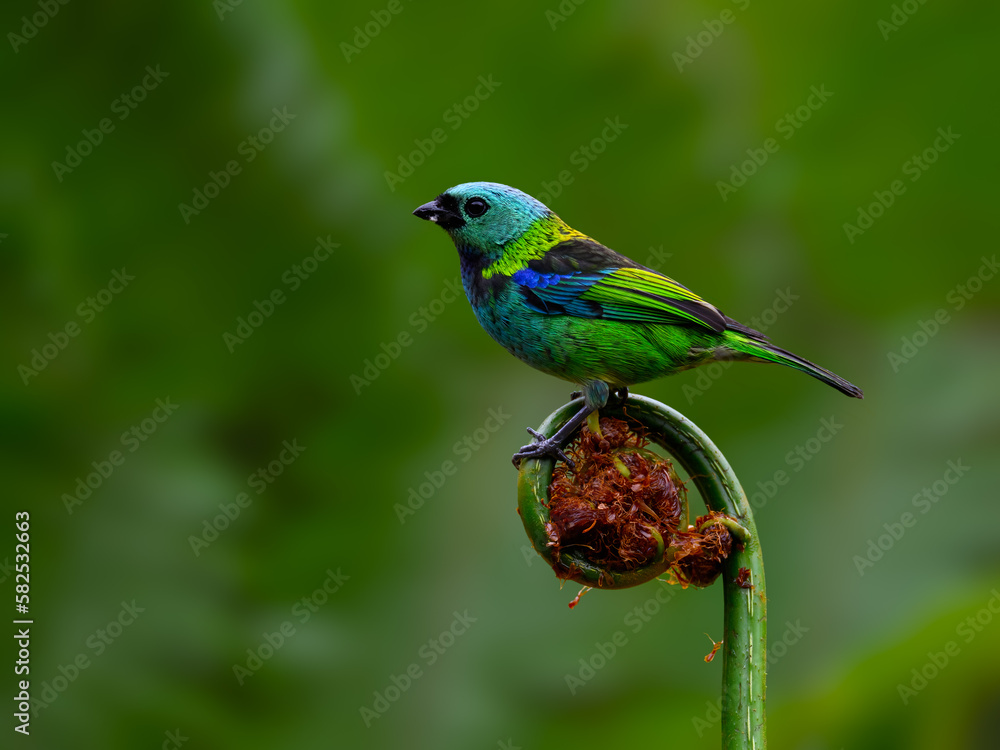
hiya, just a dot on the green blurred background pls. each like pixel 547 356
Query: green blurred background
pixel 692 106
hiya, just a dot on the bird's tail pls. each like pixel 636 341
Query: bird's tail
pixel 760 349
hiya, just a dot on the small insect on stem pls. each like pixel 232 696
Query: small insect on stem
pixel 576 599
pixel 716 645
pixel 743 579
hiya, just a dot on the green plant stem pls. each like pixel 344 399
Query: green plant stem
pixel 745 621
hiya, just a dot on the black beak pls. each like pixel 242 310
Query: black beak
pixel 441 216
pixel 428 211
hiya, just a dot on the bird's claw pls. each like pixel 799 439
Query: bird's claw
pixel 541 448
pixel 618 396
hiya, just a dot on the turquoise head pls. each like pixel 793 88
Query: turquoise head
pixel 484 216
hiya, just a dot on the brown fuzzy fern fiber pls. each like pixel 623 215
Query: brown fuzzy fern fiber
pixel 622 504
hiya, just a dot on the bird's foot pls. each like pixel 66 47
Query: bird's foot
pixel 618 396
pixel 541 448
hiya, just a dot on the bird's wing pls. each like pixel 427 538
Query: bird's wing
pixel 593 281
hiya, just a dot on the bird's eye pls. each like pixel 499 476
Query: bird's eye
pixel 476 207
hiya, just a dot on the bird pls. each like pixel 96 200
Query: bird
pixel 574 308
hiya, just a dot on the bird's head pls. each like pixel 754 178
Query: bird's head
pixel 483 217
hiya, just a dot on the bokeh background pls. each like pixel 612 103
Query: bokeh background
pixel 693 86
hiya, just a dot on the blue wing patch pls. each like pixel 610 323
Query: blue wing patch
pixel 534 280
pixel 625 294
pixel 558 294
